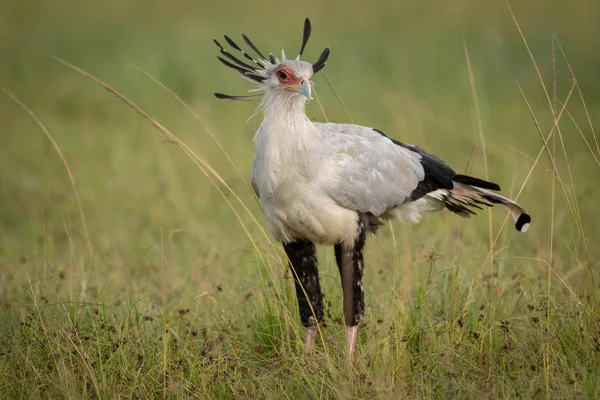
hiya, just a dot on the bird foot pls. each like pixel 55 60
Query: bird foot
pixel 309 339
pixel 351 332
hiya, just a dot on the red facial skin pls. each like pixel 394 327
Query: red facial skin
pixel 286 77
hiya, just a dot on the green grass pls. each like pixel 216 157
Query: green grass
pixel 148 276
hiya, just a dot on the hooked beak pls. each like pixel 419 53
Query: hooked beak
pixel 305 88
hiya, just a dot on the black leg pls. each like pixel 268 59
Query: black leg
pixel 303 262
pixel 350 263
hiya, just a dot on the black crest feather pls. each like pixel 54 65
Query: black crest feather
pixel 232 43
pixel 252 46
pixel 244 71
pixel 252 72
pixel 322 61
pixel 238 48
pixel 239 69
pixel 305 35
pixel 236 60
pixel 230 97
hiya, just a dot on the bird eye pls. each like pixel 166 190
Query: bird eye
pixel 282 75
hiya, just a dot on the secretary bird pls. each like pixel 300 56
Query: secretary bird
pixel 326 183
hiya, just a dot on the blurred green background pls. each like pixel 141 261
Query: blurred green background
pixel 399 66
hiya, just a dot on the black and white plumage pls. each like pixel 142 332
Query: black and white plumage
pixel 327 183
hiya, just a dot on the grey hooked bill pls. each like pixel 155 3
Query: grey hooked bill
pixel 305 89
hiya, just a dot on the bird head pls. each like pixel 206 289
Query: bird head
pixel 288 77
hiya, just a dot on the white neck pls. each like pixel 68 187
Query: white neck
pixel 287 143
pixel 285 124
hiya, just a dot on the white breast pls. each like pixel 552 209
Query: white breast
pixel 286 174
pixel 294 213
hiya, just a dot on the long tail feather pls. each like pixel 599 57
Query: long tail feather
pixel 463 198
pixel 520 216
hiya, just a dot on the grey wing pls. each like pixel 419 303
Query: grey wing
pixel 366 171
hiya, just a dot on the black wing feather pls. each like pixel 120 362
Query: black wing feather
pixel 480 183
pixel 438 174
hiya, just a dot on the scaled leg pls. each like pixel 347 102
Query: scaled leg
pixel 350 263
pixel 304 268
